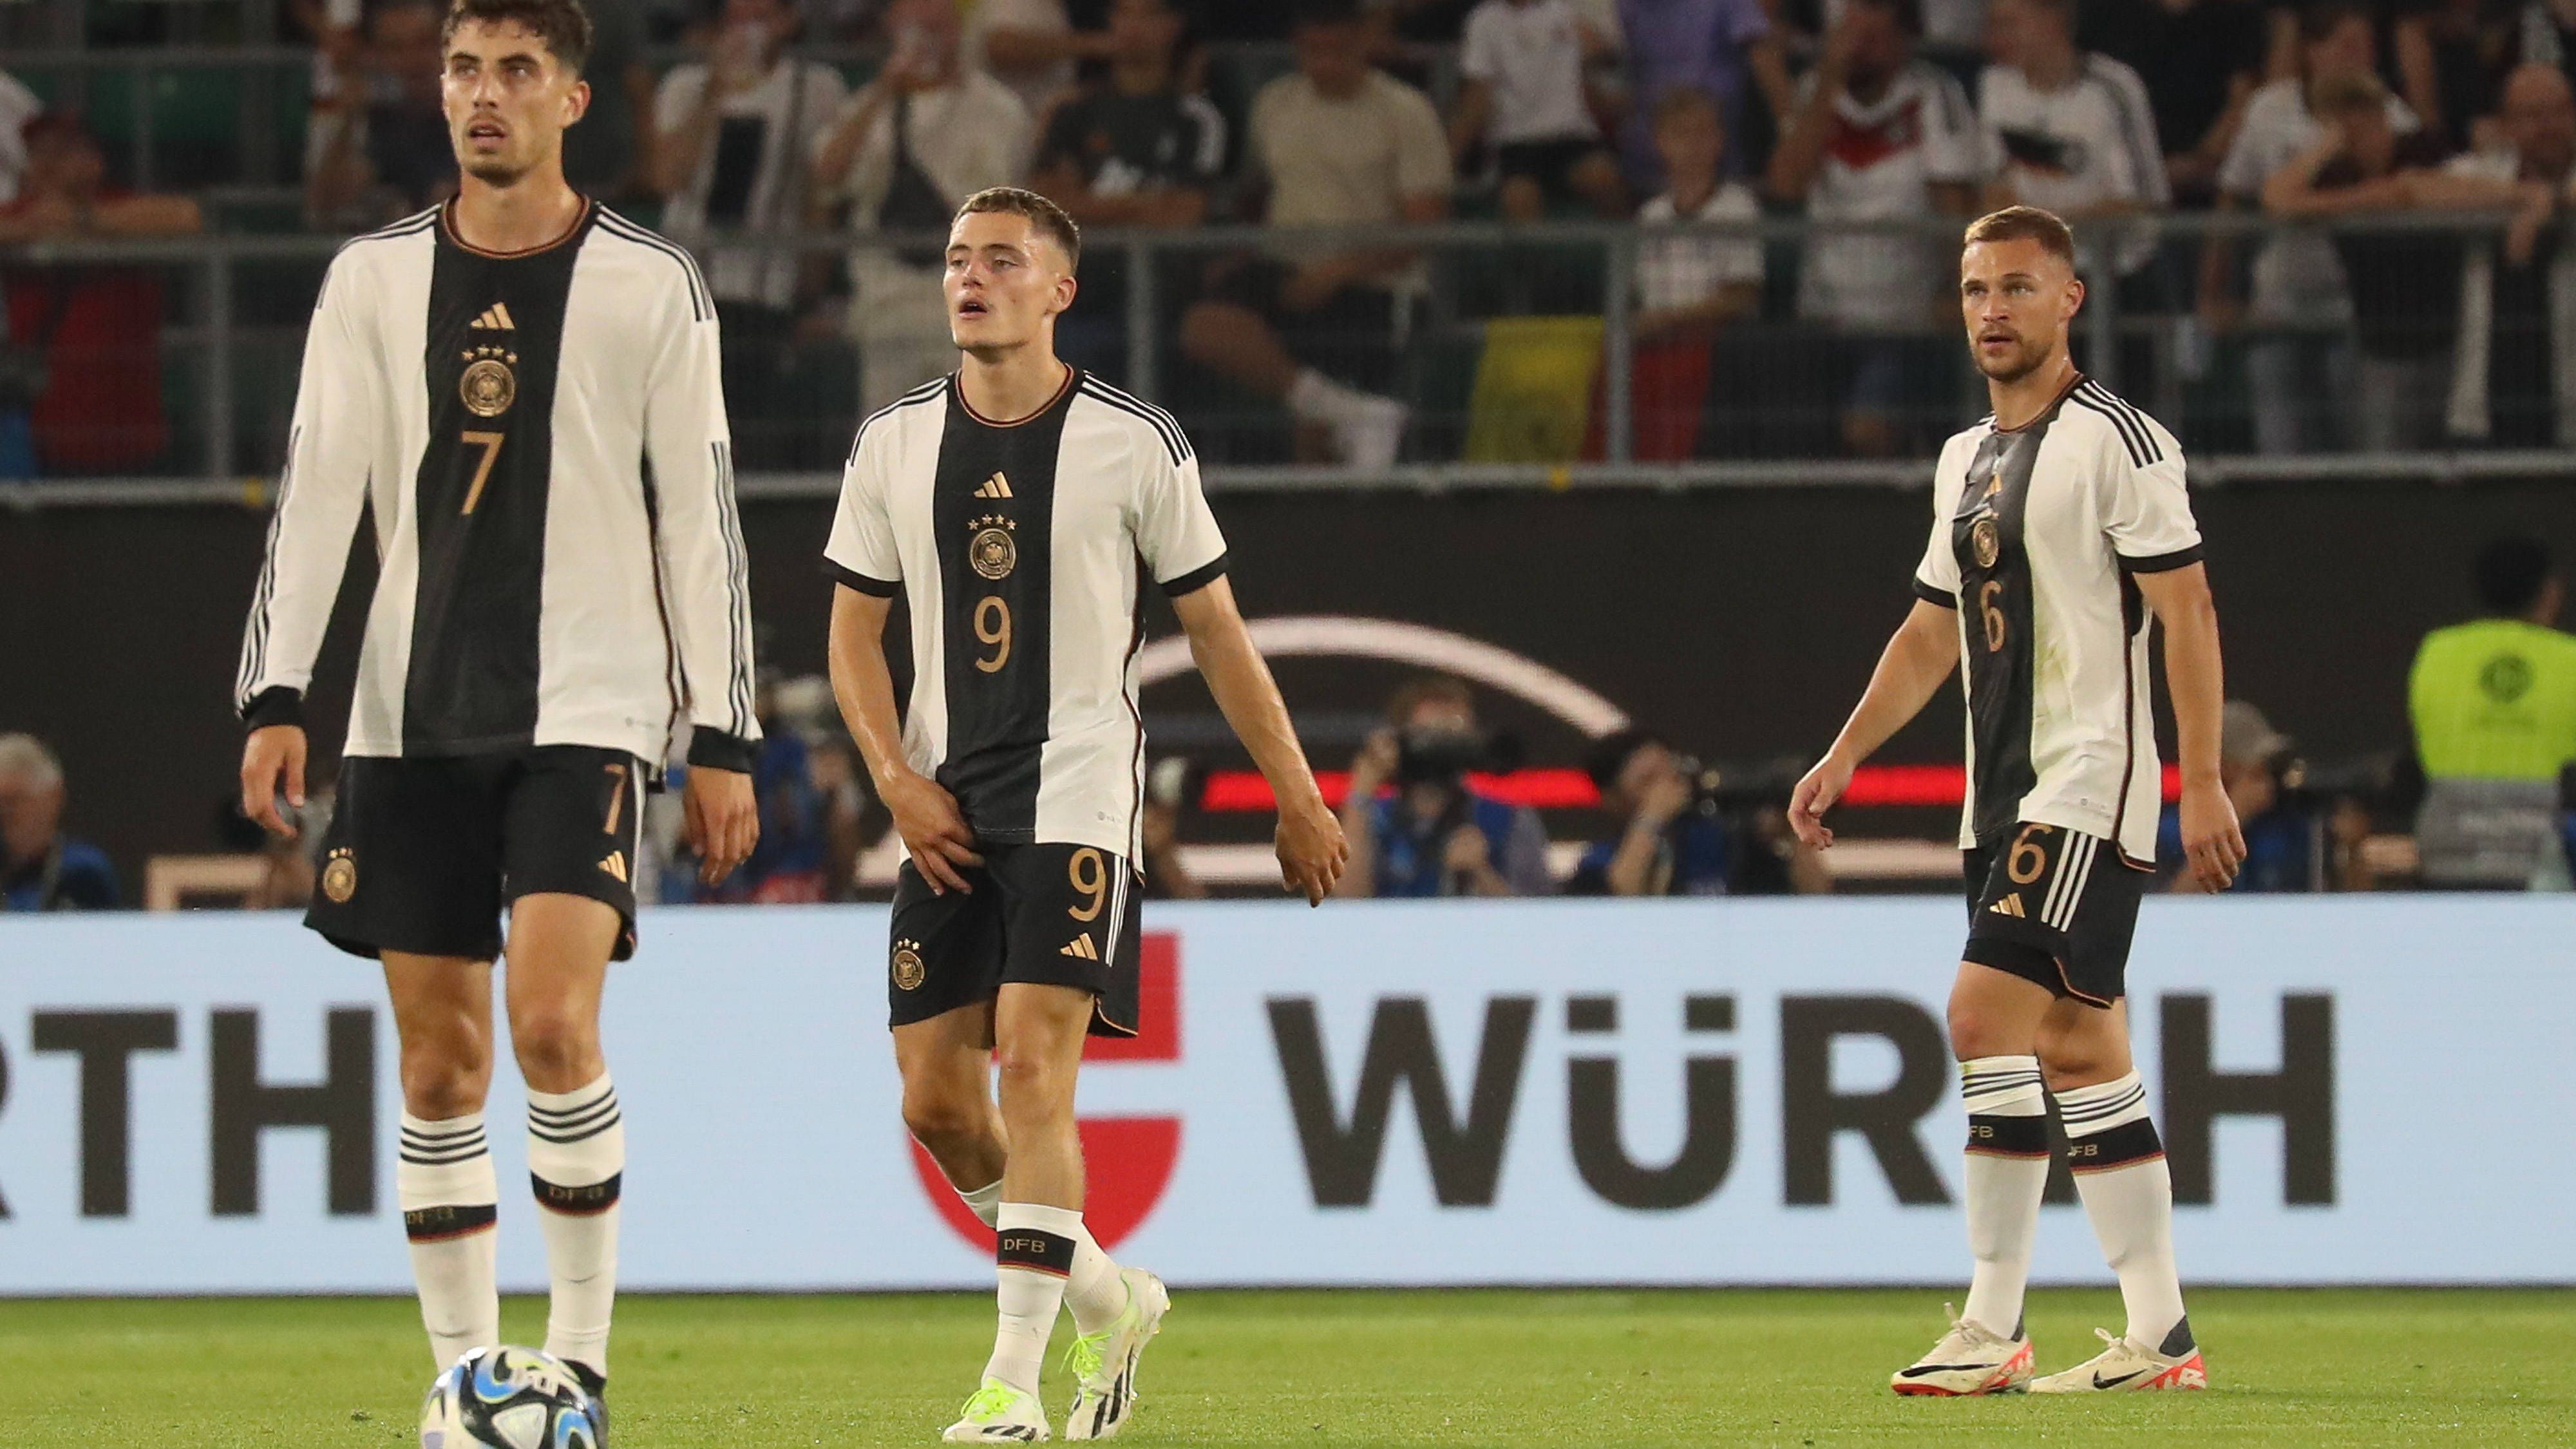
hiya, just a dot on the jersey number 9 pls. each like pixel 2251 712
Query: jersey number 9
pixel 993 627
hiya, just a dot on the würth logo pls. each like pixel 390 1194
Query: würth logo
pixel 1129 1159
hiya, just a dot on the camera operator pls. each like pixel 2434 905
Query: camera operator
pixel 2284 834
pixel 1688 832
pixel 1436 835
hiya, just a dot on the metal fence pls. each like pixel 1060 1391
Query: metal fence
pixel 1457 346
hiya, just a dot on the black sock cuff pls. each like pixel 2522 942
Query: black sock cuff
pixel 1034 1250
pixel 576 1202
pixel 448 1220
pixel 2023 1137
pixel 2122 1146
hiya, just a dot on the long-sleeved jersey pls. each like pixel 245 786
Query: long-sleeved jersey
pixel 541 439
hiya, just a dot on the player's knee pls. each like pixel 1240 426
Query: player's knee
pixel 445 1079
pixel 558 1050
pixel 1031 1084
pixel 937 1117
pixel 1977 1030
pixel 2078 1058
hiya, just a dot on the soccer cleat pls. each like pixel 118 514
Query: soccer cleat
pixel 1000 1414
pixel 2126 1366
pixel 595 1385
pixel 1104 1364
pixel 1969 1360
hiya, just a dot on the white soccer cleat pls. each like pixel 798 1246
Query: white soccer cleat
pixel 1969 1360
pixel 1104 1363
pixel 1000 1414
pixel 2127 1366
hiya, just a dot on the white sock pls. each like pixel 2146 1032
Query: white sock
pixel 576 1164
pixel 1033 1256
pixel 2120 1172
pixel 2007 1173
pixel 1093 1290
pixel 443 1181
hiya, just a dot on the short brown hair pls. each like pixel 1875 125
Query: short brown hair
pixel 1044 217
pixel 564 25
pixel 2336 95
pixel 2024 223
pixel 1423 689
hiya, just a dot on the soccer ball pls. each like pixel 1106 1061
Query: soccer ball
pixel 508 1398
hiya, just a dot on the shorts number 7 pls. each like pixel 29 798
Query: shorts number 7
pixel 490 443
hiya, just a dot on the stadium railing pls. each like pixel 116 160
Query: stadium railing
pixel 233 362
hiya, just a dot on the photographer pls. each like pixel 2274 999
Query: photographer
pixel 1686 832
pixel 2283 838
pixel 1436 835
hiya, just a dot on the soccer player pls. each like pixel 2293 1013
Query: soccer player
pixel 1013 502
pixel 522 388
pixel 2059 523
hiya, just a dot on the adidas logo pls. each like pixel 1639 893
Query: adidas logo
pixel 1081 947
pixel 615 865
pixel 996 486
pixel 2010 906
pixel 498 320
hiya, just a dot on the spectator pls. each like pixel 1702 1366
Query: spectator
pixel 1709 45
pixel 379 149
pixel 1167 875
pixel 2200 60
pixel 1338 143
pixel 2282 837
pixel 2494 707
pixel 731 134
pixel 1688 286
pixel 83 364
pixel 42 869
pixel 1435 834
pixel 2405 285
pixel 1521 91
pixel 1132 150
pixel 18 106
pixel 2072 132
pixel 1879 136
pixel 2300 369
pixel 2452 57
pixel 903 154
pixel 1665 846
pixel 1029 46
pixel 608 154
pixel 2514 382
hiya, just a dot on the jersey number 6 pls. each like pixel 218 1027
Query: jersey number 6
pixel 1994 617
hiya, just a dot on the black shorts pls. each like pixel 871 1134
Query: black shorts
pixel 422 854
pixel 1350 334
pixel 1550 163
pixel 2058 907
pixel 1058 915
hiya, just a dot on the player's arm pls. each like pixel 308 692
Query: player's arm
pixel 320 494
pixel 934 830
pixel 706 577
pixel 1311 848
pixel 2197 677
pixel 1916 661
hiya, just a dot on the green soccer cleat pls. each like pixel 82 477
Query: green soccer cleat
pixel 1104 1364
pixel 1000 1414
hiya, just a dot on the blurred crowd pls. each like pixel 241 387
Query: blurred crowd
pixel 725 119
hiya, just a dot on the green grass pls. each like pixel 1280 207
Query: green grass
pixel 1316 1368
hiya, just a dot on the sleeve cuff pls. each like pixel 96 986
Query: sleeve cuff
pixel 1196 579
pixel 853 579
pixel 1930 595
pixel 713 749
pixel 277 705
pixel 2161 563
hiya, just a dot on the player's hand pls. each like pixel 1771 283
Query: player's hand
pixel 1312 851
pixel 934 830
pixel 269 753
pixel 1814 796
pixel 721 820
pixel 2211 838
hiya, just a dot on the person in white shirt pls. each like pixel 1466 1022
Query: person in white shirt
pixel 2069 130
pixel 18 106
pixel 1689 285
pixel 731 133
pixel 1521 91
pixel 1029 46
pixel 901 154
pixel 1878 136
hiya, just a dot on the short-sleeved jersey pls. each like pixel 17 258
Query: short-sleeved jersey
pixel 1018 547
pixel 2036 533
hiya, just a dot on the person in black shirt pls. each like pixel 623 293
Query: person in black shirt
pixel 2201 60
pixel 1130 150
pixel 2512 386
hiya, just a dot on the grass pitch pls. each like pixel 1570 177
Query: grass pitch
pixel 1326 1369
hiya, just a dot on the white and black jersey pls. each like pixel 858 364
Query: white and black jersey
pixel 2035 533
pixel 541 439
pixel 1018 547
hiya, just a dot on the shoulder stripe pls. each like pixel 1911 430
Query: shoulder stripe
pixel 2138 421
pixel 409 226
pixel 1164 424
pixel 701 305
pixel 2128 440
pixel 927 392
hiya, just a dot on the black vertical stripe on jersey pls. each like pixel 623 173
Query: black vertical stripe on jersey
pixel 671 675
pixel 2000 694
pixel 472 680
pixel 997 721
